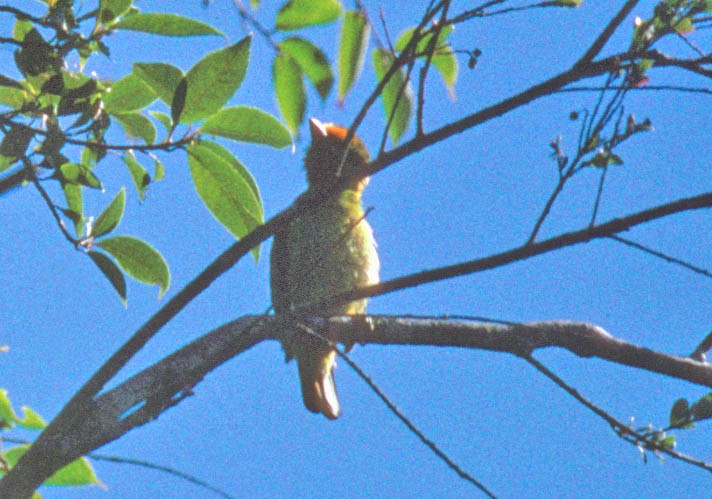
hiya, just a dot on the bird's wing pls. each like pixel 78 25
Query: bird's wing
pixel 279 265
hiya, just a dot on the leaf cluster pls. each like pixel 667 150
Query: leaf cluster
pixel 55 120
pixel 78 473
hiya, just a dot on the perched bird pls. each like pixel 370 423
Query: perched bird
pixel 326 250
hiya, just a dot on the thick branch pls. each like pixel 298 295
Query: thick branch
pixel 149 393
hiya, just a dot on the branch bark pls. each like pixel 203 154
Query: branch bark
pixel 145 396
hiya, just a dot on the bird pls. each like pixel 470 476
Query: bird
pixel 326 249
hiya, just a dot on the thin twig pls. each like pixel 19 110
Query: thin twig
pixel 659 254
pixel 165 469
pixel 622 430
pixel 248 18
pixel 412 428
pixel 50 204
pixel 607 33
pixel 656 88
pixel 700 353
pixel 599 193
pixel 430 50
pixel 144 464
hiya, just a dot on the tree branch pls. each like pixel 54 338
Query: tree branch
pixel 146 395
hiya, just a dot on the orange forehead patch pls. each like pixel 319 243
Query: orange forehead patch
pixel 336 131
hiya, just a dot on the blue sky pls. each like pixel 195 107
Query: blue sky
pixel 245 429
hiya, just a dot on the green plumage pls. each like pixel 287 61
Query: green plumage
pixel 327 250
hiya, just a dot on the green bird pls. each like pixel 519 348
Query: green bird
pixel 327 250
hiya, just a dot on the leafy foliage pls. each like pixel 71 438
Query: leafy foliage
pixel 79 472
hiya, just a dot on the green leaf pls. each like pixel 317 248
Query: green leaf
pixel 289 90
pixel 21 29
pixel 446 64
pixel 226 188
pixel 111 9
pixel 355 33
pixel 680 413
pixel 6 411
pixel 112 272
pixel 77 174
pixel 6 162
pixel 167 24
pixel 312 61
pixel 297 14
pixel 397 96
pixel 111 216
pixel 684 26
pixel 32 420
pixel 247 124
pixel 424 41
pixel 159 172
pixel 702 409
pixel 163 118
pixel 213 80
pixel 138 173
pixel 130 93
pixel 12 97
pixel 76 473
pixel 137 125
pixel 443 59
pixel 139 260
pixel 178 102
pixel 75 206
pixel 161 77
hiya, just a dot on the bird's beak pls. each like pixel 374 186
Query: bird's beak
pixel 317 128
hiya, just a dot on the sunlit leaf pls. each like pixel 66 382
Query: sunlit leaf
pixel 139 260
pixel 13 98
pixel 76 473
pixel 31 420
pixel 312 61
pixel 6 411
pixel 247 124
pixel 397 96
pixel 166 24
pixel 355 33
pixel 213 80
pixel 163 118
pixel 111 216
pixel 75 205
pixel 297 14
pixel 226 187
pixel 136 124
pixel 289 90
pixel 161 77
pixel 159 171
pixel 130 93
pixel 138 174
pixel 78 174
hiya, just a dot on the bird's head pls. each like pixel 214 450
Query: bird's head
pixel 323 161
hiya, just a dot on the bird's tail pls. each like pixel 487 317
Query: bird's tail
pixel 316 372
